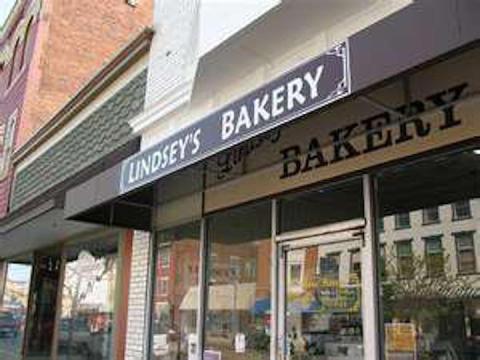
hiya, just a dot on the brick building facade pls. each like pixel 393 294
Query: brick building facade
pixel 48 51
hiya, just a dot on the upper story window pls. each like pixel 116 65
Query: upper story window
pixel 355 265
pixel 461 210
pixel 404 258
pixel 26 42
pixel 381 224
pixel 430 215
pixel 12 63
pixel 7 132
pixel 402 220
pixel 164 257
pixel 466 258
pixel 295 272
pixel 434 255
pixel 162 286
pixel 330 266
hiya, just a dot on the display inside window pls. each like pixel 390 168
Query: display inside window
pixel 430 288
pixel 175 298
pixel 88 301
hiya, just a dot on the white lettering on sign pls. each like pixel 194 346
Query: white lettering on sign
pixel 170 154
pixel 271 105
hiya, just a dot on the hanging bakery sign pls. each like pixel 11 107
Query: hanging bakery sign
pixel 306 88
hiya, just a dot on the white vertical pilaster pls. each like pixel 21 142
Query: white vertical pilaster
pixel 173 57
pixel 138 297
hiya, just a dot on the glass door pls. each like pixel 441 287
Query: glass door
pixel 320 293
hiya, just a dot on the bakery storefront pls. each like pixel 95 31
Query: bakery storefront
pixel 309 221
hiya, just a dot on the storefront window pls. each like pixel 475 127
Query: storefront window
pixel 88 300
pixel 238 311
pixel 175 303
pixel 430 288
pixel 322 312
pixel 13 310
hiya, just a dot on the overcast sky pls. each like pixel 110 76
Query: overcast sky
pixel 5 7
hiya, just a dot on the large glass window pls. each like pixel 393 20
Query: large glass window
pixel 13 309
pixel 88 300
pixel 429 286
pixel 321 305
pixel 238 311
pixel 175 299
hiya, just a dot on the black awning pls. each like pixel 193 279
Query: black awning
pixel 98 200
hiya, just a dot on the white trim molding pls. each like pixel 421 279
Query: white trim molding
pixel 172 100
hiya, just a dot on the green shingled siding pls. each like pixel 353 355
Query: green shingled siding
pixel 101 132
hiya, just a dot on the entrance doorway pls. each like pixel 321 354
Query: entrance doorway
pixel 320 299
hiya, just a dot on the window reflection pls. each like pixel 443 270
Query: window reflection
pixel 88 299
pixel 429 283
pixel 323 316
pixel 238 313
pixel 13 309
pixel 174 320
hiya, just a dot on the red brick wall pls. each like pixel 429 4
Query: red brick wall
pixel 75 39
pixel 12 96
